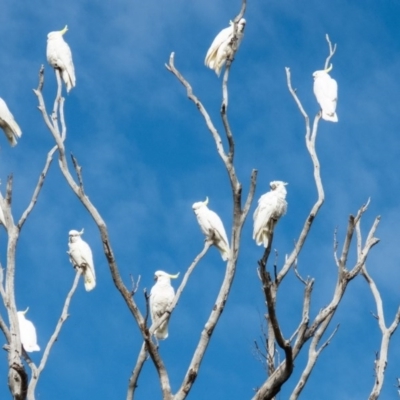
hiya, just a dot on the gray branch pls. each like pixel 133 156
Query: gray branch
pixel 382 357
pixel 64 315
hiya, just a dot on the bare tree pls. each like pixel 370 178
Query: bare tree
pixel 280 350
pixel 280 371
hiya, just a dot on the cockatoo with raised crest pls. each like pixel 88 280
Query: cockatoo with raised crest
pixel 212 226
pixel 81 257
pixel 221 47
pixel 27 332
pixel 59 57
pixel 161 296
pixel 271 206
pixel 326 92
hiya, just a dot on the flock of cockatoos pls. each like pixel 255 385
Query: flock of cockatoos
pixel 271 206
pixel 59 56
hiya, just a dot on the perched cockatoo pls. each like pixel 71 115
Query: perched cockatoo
pixel 80 256
pixel 212 226
pixel 161 296
pixel 271 206
pixel 28 332
pixel 221 47
pixel 59 57
pixel 8 124
pixel 326 92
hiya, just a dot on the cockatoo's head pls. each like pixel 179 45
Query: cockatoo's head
pixel 241 24
pixel 278 187
pixel 74 235
pixel 23 312
pixel 322 73
pixel 200 204
pixel 57 34
pixel 277 184
pixel 160 276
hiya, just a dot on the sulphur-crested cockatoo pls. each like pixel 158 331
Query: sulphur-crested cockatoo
pixel 80 256
pixel 221 47
pixel 28 332
pixel 8 124
pixel 326 92
pixel 212 226
pixel 271 206
pixel 59 57
pixel 161 296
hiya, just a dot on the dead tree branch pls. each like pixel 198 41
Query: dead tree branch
pixel 387 332
pixel 36 371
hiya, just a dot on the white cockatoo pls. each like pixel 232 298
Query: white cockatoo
pixel 8 124
pixel 326 92
pixel 59 57
pixel 271 206
pixel 80 256
pixel 161 296
pixel 221 47
pixel 212 226
pixel 28 332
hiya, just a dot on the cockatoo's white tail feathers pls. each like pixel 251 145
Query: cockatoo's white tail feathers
pixel 28 332
pixel 89 280
pixel 68 80
pixel 12 131
pixel 225 252
pixel 265 239
pixel 161 332
pixel 329 117
pixel 8 124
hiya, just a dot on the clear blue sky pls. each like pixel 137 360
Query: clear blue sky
pixel 147 156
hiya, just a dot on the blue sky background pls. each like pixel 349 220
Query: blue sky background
pixel 147 157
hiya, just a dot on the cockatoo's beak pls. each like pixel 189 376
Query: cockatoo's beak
pixel 206 201
pixel 64 30
pixel 24 312
pixel 285 183
pixel 329 69
pixel 174 276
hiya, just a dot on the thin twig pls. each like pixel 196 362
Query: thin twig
pixel 313 355
pixel 136 372
pixel 332 50
pixel 382 357
pixel 135 286
pixel 4 328
pixel 64 315
pixel 78 170
pixel 38 187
